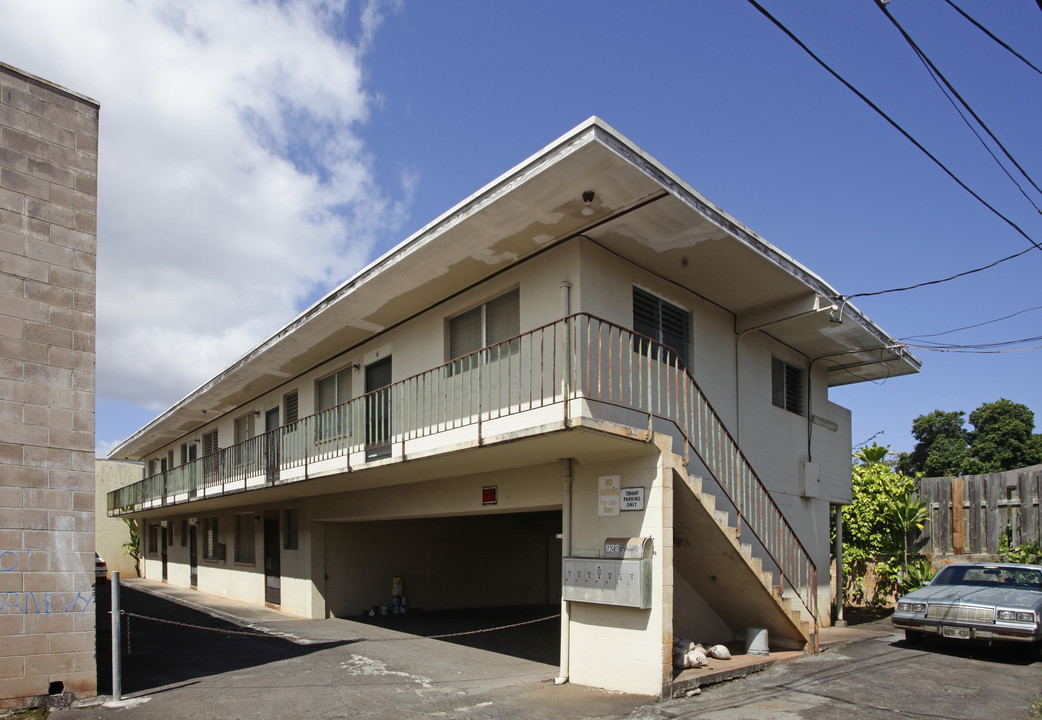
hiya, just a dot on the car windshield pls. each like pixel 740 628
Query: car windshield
pixel 989 576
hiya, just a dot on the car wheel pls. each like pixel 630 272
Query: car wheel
pixel 915 637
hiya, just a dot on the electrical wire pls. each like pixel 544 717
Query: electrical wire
pixel 979 346
pixel 971 351
pixel 777 23
pixel 939 280
pixel 970 327
pixel 972 129
pixel 938 75
pixel 989 34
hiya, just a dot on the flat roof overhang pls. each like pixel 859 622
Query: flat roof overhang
pixel 641 212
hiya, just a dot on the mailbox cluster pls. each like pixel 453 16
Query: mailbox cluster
pixel 608 581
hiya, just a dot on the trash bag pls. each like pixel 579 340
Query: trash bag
pixel 720 652
pixel 697 658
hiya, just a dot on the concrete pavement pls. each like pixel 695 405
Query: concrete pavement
pixel 367 667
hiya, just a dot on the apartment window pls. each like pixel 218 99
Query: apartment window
pixel 330 392
pixel 210 442
pixel 488 325
pixel 212 462
pixel 787 386
pixel 245 539
pixel 244 430
pixel 290 539
pixel 157 465
pixel 289 405
pixel 153 538
pixel 211 544
pixel 664 323
pixel 189 451
pixel 170 459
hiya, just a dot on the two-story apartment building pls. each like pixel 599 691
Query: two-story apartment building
pixel 585 384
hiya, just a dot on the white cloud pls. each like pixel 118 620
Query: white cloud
pixel 232 181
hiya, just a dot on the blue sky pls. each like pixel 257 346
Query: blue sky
pixel 255 154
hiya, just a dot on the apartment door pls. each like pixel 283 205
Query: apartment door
pixel 163 549
pixel 378 409
pixel 272 442
pixel 193 556
pixel 272 559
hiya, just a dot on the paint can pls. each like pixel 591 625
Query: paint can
pixel 396 586
pixel 383 609
pixel 402 605
pixel 395 605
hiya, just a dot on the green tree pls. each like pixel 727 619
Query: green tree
pixel 1002 437
pixel 909 514
pixel 942 447
pixel 872 535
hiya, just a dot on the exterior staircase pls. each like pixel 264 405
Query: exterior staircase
pixel 729 573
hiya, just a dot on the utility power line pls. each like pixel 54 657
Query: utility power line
pixel 900 129
pixel 989 34
pixel 939 76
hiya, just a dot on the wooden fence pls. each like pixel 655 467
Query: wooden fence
pixel 968 515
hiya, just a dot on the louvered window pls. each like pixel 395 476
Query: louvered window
pixel 664 323
pixel 211 544
pixel 493 325
pixel 289 402
pixel 290 541
pixel 787 386
pixel 245 539
pixel 211 461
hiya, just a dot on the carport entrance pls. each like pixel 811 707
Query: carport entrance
pixel 458 574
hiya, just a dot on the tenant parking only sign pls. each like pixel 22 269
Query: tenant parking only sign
pixel 608 493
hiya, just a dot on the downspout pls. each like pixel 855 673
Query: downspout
pixel 566 370
pixel 566 551
pixel 566 501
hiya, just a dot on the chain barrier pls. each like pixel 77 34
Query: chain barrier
pixel 272 636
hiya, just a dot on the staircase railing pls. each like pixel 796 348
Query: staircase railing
pixel 632 371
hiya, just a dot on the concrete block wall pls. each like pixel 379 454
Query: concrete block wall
pixel 48 219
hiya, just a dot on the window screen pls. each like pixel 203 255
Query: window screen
pixel 487 326
pixel 330 392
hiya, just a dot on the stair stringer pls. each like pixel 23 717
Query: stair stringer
pixel 709 554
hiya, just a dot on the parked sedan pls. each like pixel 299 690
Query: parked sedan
pixel 976 601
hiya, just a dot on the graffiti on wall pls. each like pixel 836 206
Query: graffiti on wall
pixel 30 602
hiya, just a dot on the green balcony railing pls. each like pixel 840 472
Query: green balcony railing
pixel 578 357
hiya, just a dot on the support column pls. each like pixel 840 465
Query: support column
pixel 840 622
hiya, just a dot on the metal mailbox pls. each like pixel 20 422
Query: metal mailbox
pixel 624 581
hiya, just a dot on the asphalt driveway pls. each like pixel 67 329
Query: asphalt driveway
pixel 203 667
pixel 880 678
